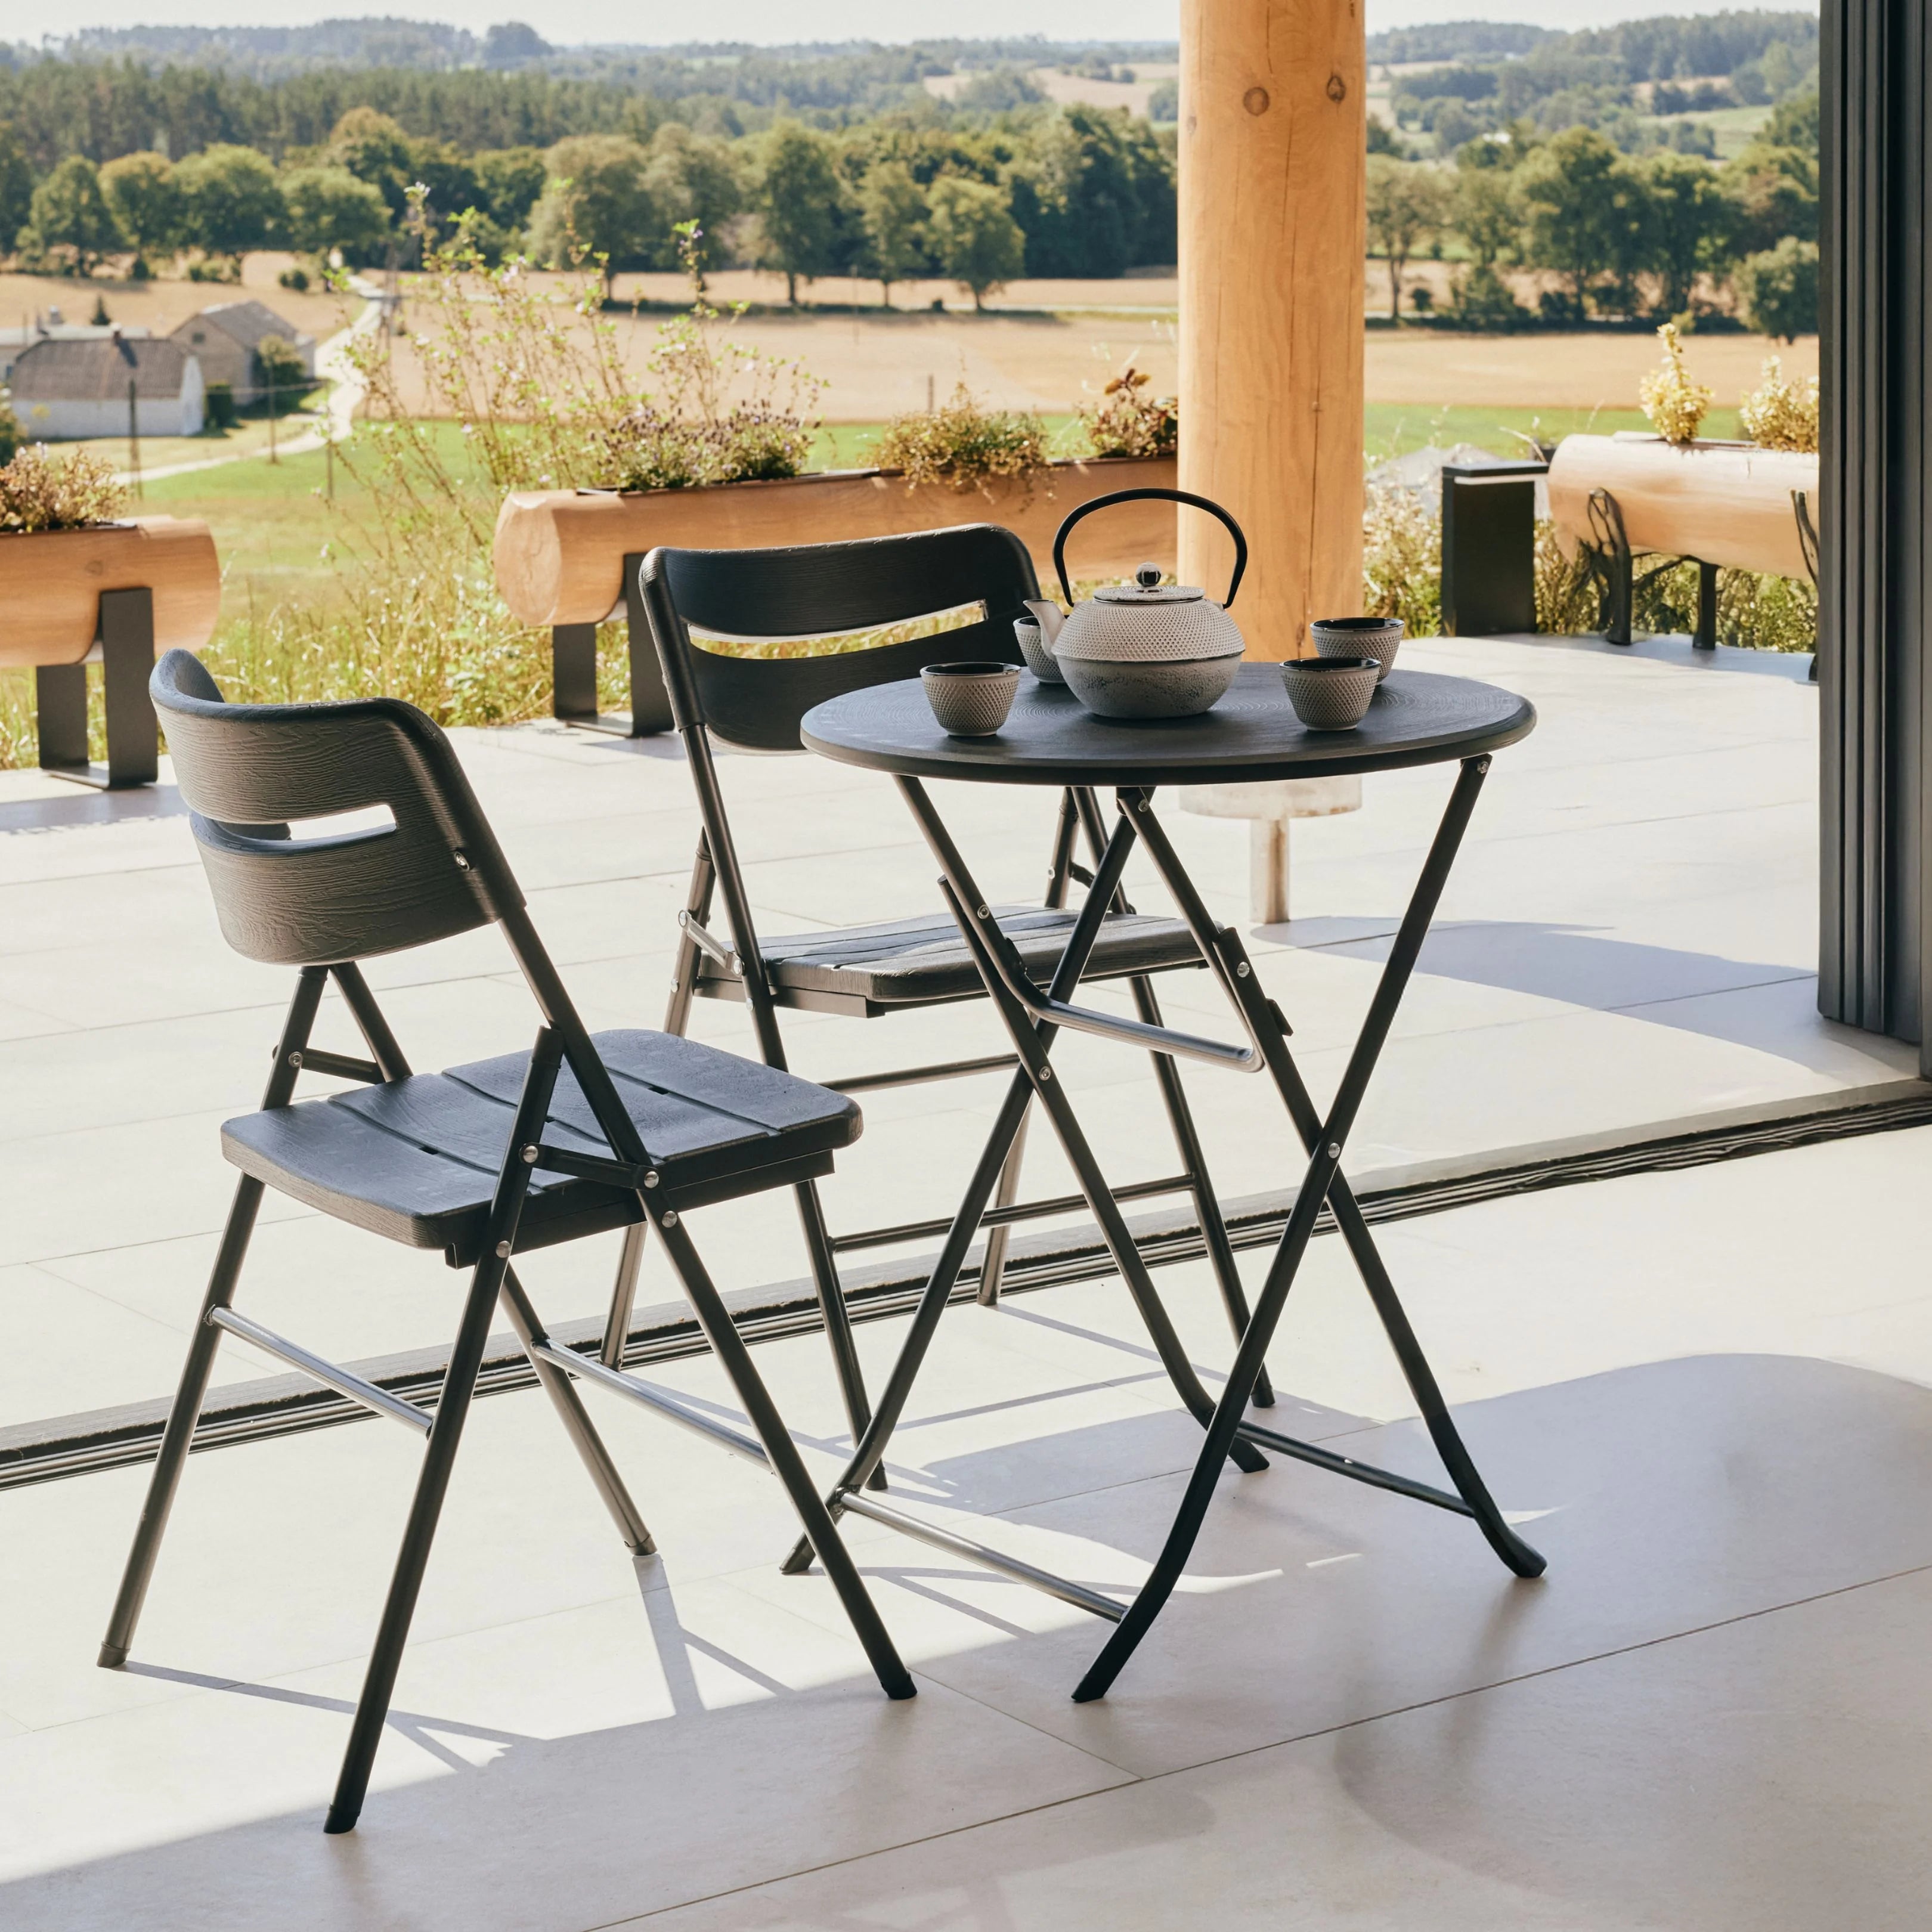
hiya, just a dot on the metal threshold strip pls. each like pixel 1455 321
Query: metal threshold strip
pixel 73 1445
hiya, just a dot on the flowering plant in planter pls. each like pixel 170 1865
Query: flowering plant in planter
pixel 963 444
pixel 37 493
pixel 1129 421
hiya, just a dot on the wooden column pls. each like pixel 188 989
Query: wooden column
pixel 1273 173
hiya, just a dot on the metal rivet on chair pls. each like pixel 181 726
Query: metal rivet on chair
pixel 670 1217
pixel 294 1060
pixel 1241 971
pixel 463 862
pixel 1334 1150
pixel 650 1180
pixel 529 1156
pixel 503 1251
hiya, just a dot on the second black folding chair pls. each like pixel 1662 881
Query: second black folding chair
pixel 580 1135
pixel 895 966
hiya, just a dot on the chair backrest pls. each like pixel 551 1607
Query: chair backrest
pixel 817 590
pixel 251 773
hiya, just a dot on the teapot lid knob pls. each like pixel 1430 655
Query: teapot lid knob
pixel 1148 576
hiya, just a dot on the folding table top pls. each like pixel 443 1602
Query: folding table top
pixel 1418 718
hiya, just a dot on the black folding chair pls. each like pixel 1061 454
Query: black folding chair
pixel 900 965
pixel 581 1135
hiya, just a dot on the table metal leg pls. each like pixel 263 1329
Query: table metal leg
pixel 1181 1121
pixel 1265 1024
pixel 1323 1169
pixel 871 1447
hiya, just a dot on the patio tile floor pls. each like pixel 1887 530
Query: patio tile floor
pixel 1707 1394
pixel 1712 1414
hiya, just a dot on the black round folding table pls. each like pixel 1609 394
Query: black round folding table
pixel 1417 718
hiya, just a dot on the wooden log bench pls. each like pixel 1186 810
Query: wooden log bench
pixel 1720 505
pixel 567 559
pixel 114 595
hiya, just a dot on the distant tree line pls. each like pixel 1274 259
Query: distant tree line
pixel 1621 80
pixel 1078 191
pixel 1654 236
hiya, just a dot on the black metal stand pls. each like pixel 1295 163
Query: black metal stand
pixel 125 639
pixel 573 650
pixel 1032 1019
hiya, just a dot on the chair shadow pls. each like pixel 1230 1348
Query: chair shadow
pixel 1680 1498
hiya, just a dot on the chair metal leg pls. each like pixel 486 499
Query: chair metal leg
pixel 486 1285
pixel 577 1425
pixel 1206 1204
pixel 992 1269
pixel 178 1436
pixel 819 1256
pixel 1324 1171
pixel 787 1463
pixel 1181 1121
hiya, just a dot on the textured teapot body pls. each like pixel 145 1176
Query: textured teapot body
pixel 1148 624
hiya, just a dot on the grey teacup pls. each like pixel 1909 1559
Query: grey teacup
pixel 1330 693
pixel 970 700
pixel 1377 637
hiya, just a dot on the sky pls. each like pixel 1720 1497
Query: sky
pixel 644 22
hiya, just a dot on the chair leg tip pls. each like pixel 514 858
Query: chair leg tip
pixel 112 1656
pixel 339 1821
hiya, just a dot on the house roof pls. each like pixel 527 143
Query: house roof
pixel 246 321
pixel 98 370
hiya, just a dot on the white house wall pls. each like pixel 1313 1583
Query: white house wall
pixel 154 415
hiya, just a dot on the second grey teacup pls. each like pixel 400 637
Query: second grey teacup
pixel 1377 637
pixel 970 700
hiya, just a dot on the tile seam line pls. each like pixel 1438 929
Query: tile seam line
pixel 1254 1750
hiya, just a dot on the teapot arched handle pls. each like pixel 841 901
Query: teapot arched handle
pixel 1213 509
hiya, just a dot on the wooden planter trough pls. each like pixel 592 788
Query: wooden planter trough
pixel 1719 505
pixel 568 559
pixel 113 592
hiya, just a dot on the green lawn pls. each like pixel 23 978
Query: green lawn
pixel 1393 429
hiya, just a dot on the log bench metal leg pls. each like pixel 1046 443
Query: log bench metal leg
pixel 573 655
pixel 125 640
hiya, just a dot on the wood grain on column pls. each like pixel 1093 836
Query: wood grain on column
pixel 1273 173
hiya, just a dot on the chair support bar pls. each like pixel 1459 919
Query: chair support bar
pixel 918 1076
pixel 1001 1217
pixel 315 1060
pixel 707 941
pixel 1044 1581
pixel 326 1372
pixel 1347 1465
pixel 596 1167
pixel 619 1383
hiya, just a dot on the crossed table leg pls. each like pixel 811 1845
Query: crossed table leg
pixel 1032 1019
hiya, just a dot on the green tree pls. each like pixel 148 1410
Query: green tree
pixel 231 201
pixel 17 187
pixel 145 200
pixel 511 179
pixel 798 198
pixel 329 208
pixel 374 149
pixel 1779 290
pixel 1571 190
pixel 598 205
pixel 450 177
pixel 892 212
pixel 1691 222
pixel 1094 190
pixel 692 177
pixel 977 241
pixel 1484 211
pixel 68 211
pixel 280 370
pixel 1408 203
pixel 1774 191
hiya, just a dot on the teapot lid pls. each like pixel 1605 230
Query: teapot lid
pixel 1147 588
